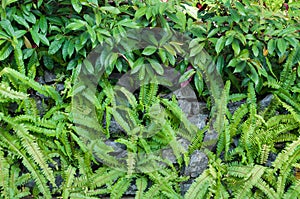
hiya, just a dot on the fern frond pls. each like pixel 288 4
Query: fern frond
pixel 286 77
pixel 141 184
pixel 200 187
pixel 99 179
pixel 266 189
pixel 286 154
pixel 293 191
pixel 43 89
pixel 120 187
pixel 252 178
pixel 4 175
pixel 7 92
pixel 68 178
pixel 28 163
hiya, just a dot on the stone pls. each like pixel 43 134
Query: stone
pixel 265 102
pixel 49 77
pixel 198 163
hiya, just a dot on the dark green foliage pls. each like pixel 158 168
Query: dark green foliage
pixel 253 45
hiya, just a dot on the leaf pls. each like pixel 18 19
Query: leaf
pixel 137 65
pixel 140 12
pixel 149 50
pixel 220 44
pixel 76 25
pixel 188 74
pixel 76 5
pixel 199 84
pixel 72 64
pixel 89 66
pixel 92 33
pixel 5 51
pixel 55 46
pixel 281 45
pixel 43 24
pixel 271 46
pixel 43 39
pixel 6 25
pixel 20 20
pixel 111 9
pixel 48 62
pixel 35 36
pixel 255 50
pixel 27 42
pixel 30 18
pixel 197 49
pixel 156 66
pixel 236 47
pixel 65 49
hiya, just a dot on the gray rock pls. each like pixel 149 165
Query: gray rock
pixel 131 190
pixel 198 163
pixel 210 139
pixel 40 80
pixel 264 103
pixel 233 106
pixel 60 87
pixel 198 120
pixel 167 153
pixel 49 77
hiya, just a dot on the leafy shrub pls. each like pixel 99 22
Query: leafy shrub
pixel 254 46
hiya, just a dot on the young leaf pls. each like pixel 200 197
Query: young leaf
pixel 149 50
pixel 76 5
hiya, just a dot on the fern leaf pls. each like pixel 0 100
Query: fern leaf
pixel 293 191
pixel 45 90
pixel 141 184
pixel 4 175
pixel 7 92
pixel 28 163
pixel 254 176
pixel 266 189
pixel 69 178
pixel 120 187
pixel 200 187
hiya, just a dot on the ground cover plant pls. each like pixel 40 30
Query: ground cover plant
pixel 255 50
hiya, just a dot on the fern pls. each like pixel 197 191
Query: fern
pixel 7 92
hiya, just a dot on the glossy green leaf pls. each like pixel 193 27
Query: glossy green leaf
pixel 6 25
pixel 5 51
pixel 76 5
pixel 55 46
pixel 64 49
pixel 187 75
pixel 35 36
pixel 271 46
pixel 220 44
pixel 137 65
pixel 30 18
pixel 72 64
pixel 43 39
pixel 281 45
pixel 89 66
pixel 236 47
pixel 111 9
pixel 48 62
pixel 92 33
pixel 156 66
pixel 149 50
pixel 43 24
pixel 76 25
pixel 21 21
pixel 197 49
pixel 255 50
pixel 199 83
